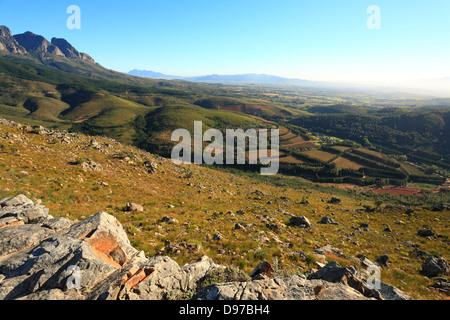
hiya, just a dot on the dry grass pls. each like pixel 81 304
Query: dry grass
pixel 205 202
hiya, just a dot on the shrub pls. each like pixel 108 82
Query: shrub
pixel 310 259
pixel 223 275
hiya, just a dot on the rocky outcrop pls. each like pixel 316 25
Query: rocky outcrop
pixel 69 51
pixel 54 258
pixel 350 276
pixel 66 48
pixel 34 43
pixel 29 42
pixel 291 288
pixel 42 257
pixel 9 43
pixel 85 56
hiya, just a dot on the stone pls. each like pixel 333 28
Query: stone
pixel 134 207
pixel 382 260
pixel 334 200
pixel 326 220
pixel 34 259
pixel 443 286
pixel 300 221
pixel 189 247
pixel 416 253
pixel 217 236
pixel 94 144
pixel 91 165
pixel 151 166
pixel 364 226
pixel 350 276
pixel 262 269
pixel 169 220
pixel 291 288
pixel 433 267
pixel 365 262
pixel 426 232
pixel 22 209
pixel 15 201
pixel 330 250
pixel 239 226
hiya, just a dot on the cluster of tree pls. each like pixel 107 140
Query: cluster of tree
pixel 402 132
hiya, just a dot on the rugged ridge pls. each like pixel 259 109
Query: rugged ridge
pixel 69 51
pixel 42 257
pixel 31 43
pixel 9 43
pixel 34 43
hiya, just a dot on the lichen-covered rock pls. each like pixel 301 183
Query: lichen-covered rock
pixel 433 267
pixel 37 261
pixel 292 288
pixel 350 276
pixel 300 221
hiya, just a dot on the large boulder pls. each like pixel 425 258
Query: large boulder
pixel 40 260
pixel 327 220
pixel 300 221
pixel 351 276
pixel 433 267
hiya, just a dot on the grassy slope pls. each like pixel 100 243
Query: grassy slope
pixel 198 192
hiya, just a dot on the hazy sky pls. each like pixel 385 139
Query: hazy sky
pixel 308 39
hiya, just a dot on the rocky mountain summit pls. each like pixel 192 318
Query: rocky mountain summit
pixel 30 43
pixel 69 51
pixel 9 43
pixel 42 257
pixel 34 43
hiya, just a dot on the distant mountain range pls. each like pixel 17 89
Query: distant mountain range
pixel 249 78
pixel 59 54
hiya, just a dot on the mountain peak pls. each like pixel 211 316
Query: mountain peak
pixel 66 48
pixel 37 44
pixel 5 32
pixel 8 42
pixel 69 51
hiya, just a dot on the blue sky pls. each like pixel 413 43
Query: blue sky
pixel 317 40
